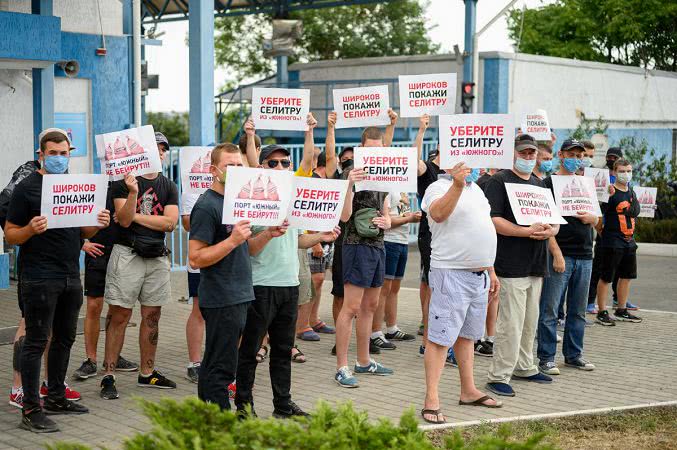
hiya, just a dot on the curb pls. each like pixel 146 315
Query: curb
pixel 665 250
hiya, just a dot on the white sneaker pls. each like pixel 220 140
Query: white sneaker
pixel 549 368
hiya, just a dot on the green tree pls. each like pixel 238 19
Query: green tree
pixel 174 125
pixel 628 32
pixel 388 29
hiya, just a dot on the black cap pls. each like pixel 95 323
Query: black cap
pixel 269 150
pixel 322 160
pixel 161 139
pixel 615 151
pixel 432 154
pixel 571 144
pixel 346 149
pixel 525 142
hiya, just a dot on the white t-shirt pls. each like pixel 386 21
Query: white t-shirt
pixel 187 203
pixel 397 235
pixel 467 239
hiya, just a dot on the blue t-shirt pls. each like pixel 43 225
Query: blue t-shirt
pixel 229 281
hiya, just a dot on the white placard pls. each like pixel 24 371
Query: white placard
pixel 532 204
pixel 387 169
pixel 73 200
pixel 647 200
pixel 316 203
pixel 258 195
pixel 574 193
pixel 536 125
pixel 479 140
pixel 432 94
pixel 362 107
pixel 132 150
pixel 195 175
pixel 601 180
pixel 280 109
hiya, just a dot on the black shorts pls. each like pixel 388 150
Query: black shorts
pixel 193 283
pixel 95 275
pixel 425 249
pixel 366 265
pixel 337 272
pixel 620 262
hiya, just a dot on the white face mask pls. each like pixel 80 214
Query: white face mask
pixel 624 177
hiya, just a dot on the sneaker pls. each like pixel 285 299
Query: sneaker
pixel 71 394
pixel 155 380
pixel 581 364
pixel 16 399
pixel 503 389
pixel 232 390
pixel 548 368
pixel 631 306
pixel 451 358
pixel 373 368
pixel 591 309
pixel 381 343
pixel 588 322
pixel 537 378
pixel 421 351
pixel 373 348
pixel 38 422
pixel 293 411
pixel 604 318
pixel 344 377
pixel 108 389
pixel 421 329
pixel 192 373
pixel 64 407
pixel 624 316
pixel 484 348
pixel 400 335
pixel 87 369
pixel 125 366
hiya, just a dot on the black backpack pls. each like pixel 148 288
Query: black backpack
pixel 6 195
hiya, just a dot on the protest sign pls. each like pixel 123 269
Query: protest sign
pixel 362 107
pixel 316 203
pixel 280 109
pixel 601 179
pixel 536 125
pixel 258 195
pixel 195 164
pixel 647 200
pixel 132 150
pixel 574 193
pixel 478 140
pixel 532 204
pixel 73 200
pixel 433 94
pixel 387 169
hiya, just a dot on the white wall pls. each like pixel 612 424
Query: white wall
pixel 16 122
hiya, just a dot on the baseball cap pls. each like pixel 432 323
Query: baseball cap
pixel 161 139
pixel 346 149
pixel 269 150
pixel 571 144
pixel 615 151
pixel 433 154
pixel 46 131
pixel 525 142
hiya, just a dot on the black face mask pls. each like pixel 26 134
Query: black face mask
pixel 347 164
pixel 610 163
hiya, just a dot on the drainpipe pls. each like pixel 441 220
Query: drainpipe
pixel 136 43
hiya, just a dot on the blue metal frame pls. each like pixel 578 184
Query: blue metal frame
pixel 201 72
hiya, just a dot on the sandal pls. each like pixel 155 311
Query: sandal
pixel 481 402
pixel 433 412
pixel 308 335
pixel 322 327
pixel 297 357
pixel 260 357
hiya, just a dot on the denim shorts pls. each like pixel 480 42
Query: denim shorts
pixel 396 260
pixel 363 265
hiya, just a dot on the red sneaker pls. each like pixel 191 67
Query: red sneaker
pixel 17 399
pixel 232 388
pixel 71 394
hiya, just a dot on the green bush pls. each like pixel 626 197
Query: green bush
pixel 656 231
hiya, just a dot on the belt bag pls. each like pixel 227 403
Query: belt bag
pixel 149 247
pixel 363 222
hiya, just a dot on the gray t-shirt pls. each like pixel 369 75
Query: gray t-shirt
pixel 229 281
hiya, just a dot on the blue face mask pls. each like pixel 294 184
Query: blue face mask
pixel 56 164
pixel 586 162
pixel 473 176
pixel 545 166
pixel 525 166
pixel 571 164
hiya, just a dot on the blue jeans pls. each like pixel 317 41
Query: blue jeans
pixel 575 280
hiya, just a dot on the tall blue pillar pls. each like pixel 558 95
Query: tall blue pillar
pixel 470 23
pixel 201 71
pixel 43 83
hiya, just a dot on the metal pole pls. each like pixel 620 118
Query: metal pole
pixel 136 43
pixel 470 23
pixel 282 73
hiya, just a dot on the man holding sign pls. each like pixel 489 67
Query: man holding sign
pixel 50 286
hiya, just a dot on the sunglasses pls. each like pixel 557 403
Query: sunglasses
pixel 272 163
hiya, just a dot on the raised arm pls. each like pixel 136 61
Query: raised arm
pixel 423 123
pixel 443 207
pixel 250 131
pixel 330 145
pixel 308 146
pixel 390 129
pixel 354 176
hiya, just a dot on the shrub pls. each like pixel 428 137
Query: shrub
pixel 656 231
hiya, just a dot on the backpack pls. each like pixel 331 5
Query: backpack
pixel 19 174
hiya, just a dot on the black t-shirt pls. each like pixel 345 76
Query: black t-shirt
pixel 431 174
pixel 229 281
pixel 154 195
pixel 516 257
pixel 482 181
pixel 52 254
pixel 107 236
pixel 619 227
pixel 575 238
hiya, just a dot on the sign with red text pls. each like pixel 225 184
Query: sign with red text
pixel 195 163
pixel 432 94
pixel 647 200
pixel 362 107
pixel 574 193
pixel 387 169
pixel 258 195
pixel 132 150
pixel 316 203
pixel 536 125
pixel 73 200
pixel 280 109
pixel 478 140
pixel 532 204
pixel 601 180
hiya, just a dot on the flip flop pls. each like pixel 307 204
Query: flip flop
pixel 433 412
pixel 481 402
pixel 299 357
pixel 308 335
pixel 322 327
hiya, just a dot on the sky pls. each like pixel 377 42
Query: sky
pixel 445 18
